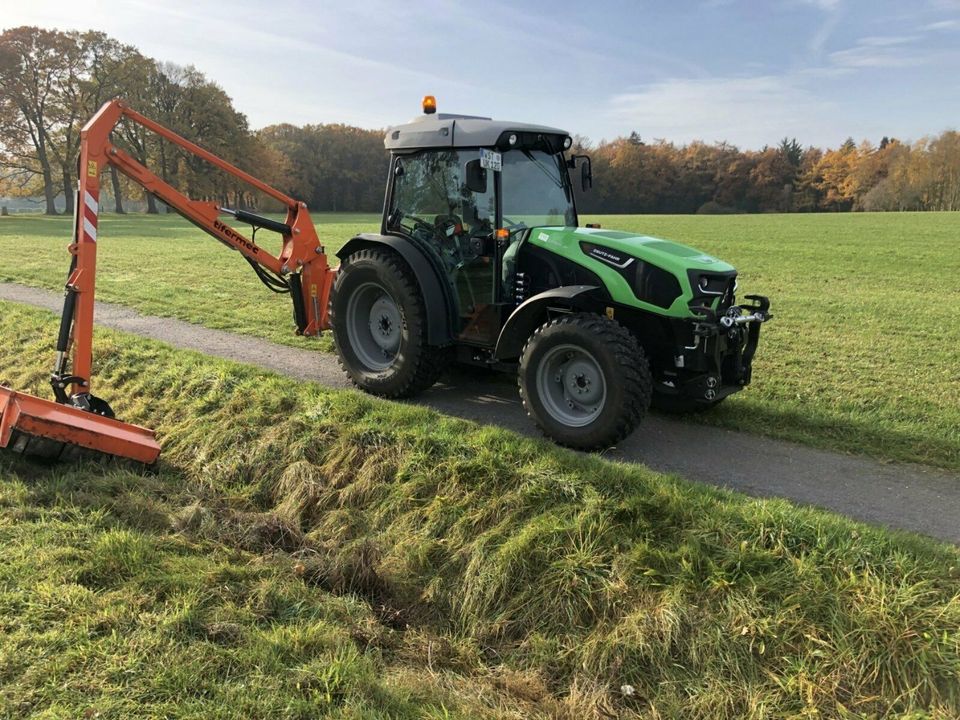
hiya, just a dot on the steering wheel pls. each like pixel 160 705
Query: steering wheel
pixel 445 227
pixel 418 223
pixel 422 229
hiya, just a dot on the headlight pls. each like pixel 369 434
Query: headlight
pixel 712 283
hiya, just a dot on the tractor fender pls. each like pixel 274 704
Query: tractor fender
pixel 532 312
pixel 437 294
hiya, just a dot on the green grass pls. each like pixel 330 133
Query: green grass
pixel 164 266
pixel 861 356
pixel 303 552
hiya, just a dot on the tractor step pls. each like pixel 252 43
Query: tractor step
pixel 33 426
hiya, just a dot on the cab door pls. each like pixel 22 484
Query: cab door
pixel 432 203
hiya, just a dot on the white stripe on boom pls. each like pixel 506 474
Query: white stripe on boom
pixel 91 204
pixel 90 229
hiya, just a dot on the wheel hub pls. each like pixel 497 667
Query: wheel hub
pixel 385 324
pixel 581 381
pixel 571 385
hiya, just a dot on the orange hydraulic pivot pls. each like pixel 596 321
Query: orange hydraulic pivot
pixel 83 420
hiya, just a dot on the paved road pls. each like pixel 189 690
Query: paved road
pixel 910 497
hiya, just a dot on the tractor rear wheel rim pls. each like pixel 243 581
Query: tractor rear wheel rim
pixel 571 385
pixel 374 326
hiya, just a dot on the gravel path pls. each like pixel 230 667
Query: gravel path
pixel 910 497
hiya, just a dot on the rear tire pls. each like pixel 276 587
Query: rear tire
pixel 585 381
pixel 379 326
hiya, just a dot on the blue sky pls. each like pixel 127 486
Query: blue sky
pixel 748 72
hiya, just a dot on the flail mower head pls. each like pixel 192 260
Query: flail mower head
pixel 43 428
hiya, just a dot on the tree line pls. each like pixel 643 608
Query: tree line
pixel 634 176
pixel 51 82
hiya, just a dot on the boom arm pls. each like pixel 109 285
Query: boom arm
pixel 301 267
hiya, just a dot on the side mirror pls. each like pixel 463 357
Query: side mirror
pixel 586 173
pixel 475 177
pixel 586 170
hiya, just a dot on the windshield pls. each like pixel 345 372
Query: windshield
pixel 535 190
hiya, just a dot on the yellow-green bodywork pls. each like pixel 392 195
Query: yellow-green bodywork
pixel 673 257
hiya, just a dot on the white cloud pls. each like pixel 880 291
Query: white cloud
pixel 827 5
pixel 823 33
pixel 745 111
pixel 887 40
pixel 886 51
pixel 942 25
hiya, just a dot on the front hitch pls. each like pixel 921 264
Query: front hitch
pixel 729 339
pixel 709 322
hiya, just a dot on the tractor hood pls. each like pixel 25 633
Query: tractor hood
pixel 613 256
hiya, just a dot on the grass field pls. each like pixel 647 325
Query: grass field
pixel 861 356
pixel 303 553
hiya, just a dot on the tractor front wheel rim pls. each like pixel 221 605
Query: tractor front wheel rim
pixel 571 385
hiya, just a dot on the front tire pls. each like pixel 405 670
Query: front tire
pixel 585 381
pixel 379 326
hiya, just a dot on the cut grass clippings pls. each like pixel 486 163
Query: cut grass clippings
pixel 305 552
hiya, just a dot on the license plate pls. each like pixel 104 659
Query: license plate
pixel 491 160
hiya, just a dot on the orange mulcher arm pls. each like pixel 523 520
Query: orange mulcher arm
pixel 301 267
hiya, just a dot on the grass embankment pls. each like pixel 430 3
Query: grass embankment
pixel 303 551
pixel 861 356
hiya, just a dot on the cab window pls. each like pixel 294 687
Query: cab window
pixel 431 200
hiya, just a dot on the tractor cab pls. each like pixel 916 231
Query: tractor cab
pixel 468 190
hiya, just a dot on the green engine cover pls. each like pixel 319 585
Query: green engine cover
pixel 671 257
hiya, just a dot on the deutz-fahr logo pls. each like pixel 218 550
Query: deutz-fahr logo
pixel 235 236
pixel 609 256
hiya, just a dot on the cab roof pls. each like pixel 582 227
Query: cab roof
pixel 447 130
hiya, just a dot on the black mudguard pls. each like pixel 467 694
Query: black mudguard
pixel 533 312
pixel 438 296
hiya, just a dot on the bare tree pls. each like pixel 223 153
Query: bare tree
pixel 33 76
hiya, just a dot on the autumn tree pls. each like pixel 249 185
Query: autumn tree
pixel 36 67
pixel 834 177
pixel 332 167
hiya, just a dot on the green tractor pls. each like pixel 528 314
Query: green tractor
pixel 480 259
